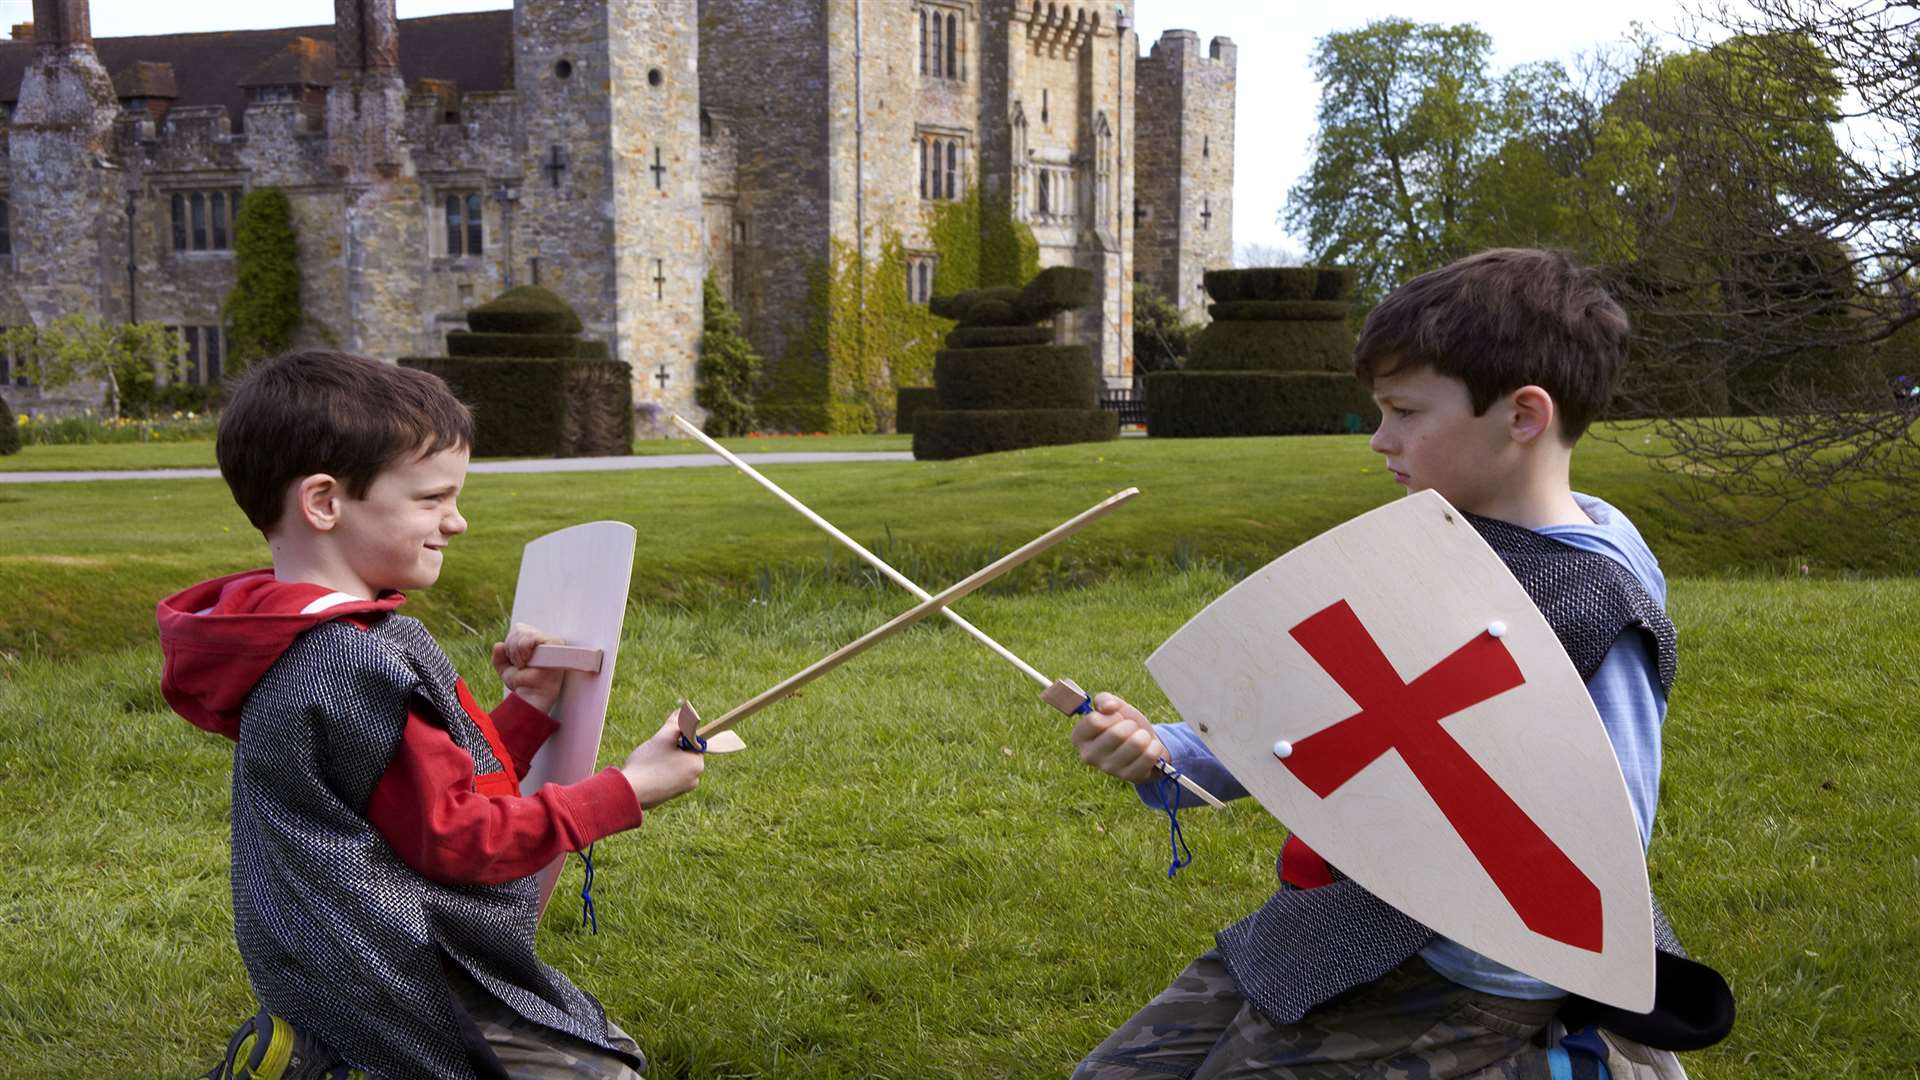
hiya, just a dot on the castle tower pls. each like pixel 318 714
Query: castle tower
pixel 1057 136
pixel 610 215
pixel 1184 217
pixel 65 186
pixel 366 119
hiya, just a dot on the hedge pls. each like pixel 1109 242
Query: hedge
pixel 1209 404
pixel 514 346
pixel 534 407
pixel 517 403
pixel 1272 346
pixel 9 430
pixel 1280 310
pixel 1054 290
pixel 989 337
pixel 528 309
pixel 1027 377
pixel 909 400
pixel 942 434
pixel 1280 283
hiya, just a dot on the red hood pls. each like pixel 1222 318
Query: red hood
pixel 221 636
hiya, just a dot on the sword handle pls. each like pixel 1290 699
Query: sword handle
pixel 1066 695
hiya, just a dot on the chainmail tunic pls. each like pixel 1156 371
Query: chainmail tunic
pixel 340 936
pixel 1306 946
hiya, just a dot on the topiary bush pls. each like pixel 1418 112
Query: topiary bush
pixel 995 397
pixel 993 337
pixel 942 434
pixel 910 401
pixel 526 309
pixel 1027 377
pixel 538 391
pixel 518 404
pixel 1276 360
pixel 9 430
pixel 1187 404
pixel 262 310
pixel 1319 345
pixel 729 367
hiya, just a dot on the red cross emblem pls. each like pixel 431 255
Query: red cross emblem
pixel 1549 893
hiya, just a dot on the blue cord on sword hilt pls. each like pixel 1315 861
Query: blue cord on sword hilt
pixel 1070 699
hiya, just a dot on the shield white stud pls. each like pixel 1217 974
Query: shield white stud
pixel 1461 775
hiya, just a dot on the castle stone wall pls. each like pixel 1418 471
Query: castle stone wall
pixel 1185 168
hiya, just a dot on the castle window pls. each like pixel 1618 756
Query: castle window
pixel 1046 204
pixel 940 158
pixel 920 278
pixel 205 347
pixel 940 51
pixel 6 226
pixel 269 95
pixel 465 235
pixel 202 220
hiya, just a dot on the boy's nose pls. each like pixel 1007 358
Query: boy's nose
pixel 454 524
pixel 1381 442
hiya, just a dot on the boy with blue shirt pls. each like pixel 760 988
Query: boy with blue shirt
pixel 1486 372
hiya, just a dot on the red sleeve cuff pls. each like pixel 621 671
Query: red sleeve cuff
pixel 602 804
pixel 524 729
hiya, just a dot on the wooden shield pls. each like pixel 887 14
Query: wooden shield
pixel 573 585
pixel 1443 750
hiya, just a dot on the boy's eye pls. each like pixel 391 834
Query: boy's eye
pixel 1402 412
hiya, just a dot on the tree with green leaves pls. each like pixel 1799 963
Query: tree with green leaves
pixel 1160 335
pixel 1408 114
pixel 263 309
pixel 1770 251
pixel 728 369
pixel 126 357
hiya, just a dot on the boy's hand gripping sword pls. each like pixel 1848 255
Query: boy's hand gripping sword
pixel 1062 694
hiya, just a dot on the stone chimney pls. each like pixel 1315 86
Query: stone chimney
pixel 366 37
pixel 367 106
pixel 62 22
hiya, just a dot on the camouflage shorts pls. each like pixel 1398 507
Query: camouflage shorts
pixel 531 1052
pixel 1411 1024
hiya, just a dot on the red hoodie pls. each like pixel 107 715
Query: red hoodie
pixel 445 821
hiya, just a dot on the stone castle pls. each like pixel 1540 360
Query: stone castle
pixel 615 151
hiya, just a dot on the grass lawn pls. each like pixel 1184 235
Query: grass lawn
pixel 909 874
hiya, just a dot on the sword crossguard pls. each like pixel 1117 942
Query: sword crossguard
pixel 1067 696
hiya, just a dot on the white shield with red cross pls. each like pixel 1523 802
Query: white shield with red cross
pixel 573 585
pixel 1442 749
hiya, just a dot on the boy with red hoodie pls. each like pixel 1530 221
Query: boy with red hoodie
pixel 384 857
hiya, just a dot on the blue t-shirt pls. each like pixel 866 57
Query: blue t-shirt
pixel 1626 691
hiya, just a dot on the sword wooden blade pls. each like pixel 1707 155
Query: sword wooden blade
pixel 927 607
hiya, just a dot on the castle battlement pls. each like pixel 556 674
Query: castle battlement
pixel 1181 49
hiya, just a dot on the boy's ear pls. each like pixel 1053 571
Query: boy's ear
pixel 1533 414
pixel 316 499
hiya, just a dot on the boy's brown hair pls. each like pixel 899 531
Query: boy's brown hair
pixel 317 411
pixel 1501 320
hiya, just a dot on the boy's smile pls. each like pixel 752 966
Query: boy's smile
pixel 1432 440
pixel 393 538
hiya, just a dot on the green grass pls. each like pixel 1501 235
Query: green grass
pixel 80 564
pixel 199 454
pixel 908 874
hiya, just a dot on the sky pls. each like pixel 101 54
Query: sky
pixel 1277 96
